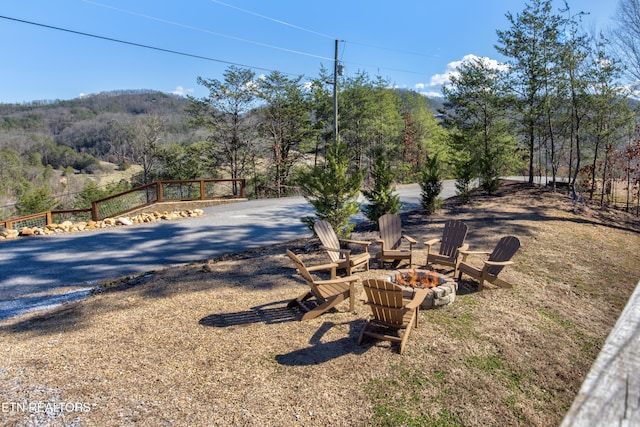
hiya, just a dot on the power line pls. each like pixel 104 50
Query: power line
pixel 190 27
pixel 318 33
pixel 175 52
pixel 274 20
pixel 279 21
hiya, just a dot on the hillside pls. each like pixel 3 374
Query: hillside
pixel 61 145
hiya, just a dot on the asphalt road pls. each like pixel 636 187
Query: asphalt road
pixel 41 272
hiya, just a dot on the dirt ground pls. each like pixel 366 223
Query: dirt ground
pixel 213 343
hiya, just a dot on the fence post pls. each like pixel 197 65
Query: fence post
pixel 94 211
pixel 49 218
pixel 243 188
pixel 203 190
pixel 159 191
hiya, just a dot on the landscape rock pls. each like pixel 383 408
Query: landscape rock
pixel 124 221
pixel 70 227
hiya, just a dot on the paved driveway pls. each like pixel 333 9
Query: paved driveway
pixel 41 272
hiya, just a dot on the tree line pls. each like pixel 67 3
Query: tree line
pixel 557 107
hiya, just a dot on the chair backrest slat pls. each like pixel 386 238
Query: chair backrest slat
pixel 302 269
pixel 328 237
pixel 390 230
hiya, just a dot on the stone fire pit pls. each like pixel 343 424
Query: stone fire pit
pixel 441 293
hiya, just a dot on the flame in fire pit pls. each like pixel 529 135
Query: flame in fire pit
pixel 418 280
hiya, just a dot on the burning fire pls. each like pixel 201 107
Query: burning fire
pixel 418 280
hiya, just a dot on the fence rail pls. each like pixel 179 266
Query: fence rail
pixel 155 192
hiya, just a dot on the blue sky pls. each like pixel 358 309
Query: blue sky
pixel 412 43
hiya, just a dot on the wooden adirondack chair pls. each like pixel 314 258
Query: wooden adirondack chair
pixel 343 257
pixel 492 266
pixel 326 293
pixel 451 243
pixel 390 311
pixel 391 240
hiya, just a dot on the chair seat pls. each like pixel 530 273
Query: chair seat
pixel 358 259
pixel 441 259
pixel 396 254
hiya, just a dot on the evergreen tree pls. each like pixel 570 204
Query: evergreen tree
pixel 225 114
pixel 431 185
pixel 464 172
pixel 333 191
pixel 531 46
pixel 286 124
pixel 91 192
pixel 34 200
pixel 381 197
pixel 478 119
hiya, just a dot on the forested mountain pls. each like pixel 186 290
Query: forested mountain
pixel 42 143
pixel 91 126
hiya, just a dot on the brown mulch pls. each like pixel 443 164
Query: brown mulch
pixel 213 342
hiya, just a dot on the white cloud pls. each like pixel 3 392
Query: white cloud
pixel 181 91
pixel 437 81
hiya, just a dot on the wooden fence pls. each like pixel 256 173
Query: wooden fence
pixel 610 395
pixel 136 198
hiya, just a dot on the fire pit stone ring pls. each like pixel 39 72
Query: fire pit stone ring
pixel 441 295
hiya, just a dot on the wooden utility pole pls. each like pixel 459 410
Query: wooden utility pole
pixel 335 95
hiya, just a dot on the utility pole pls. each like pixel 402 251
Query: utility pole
pixel 335 95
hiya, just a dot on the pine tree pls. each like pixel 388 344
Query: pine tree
pixel 431 185
pixel 333 190
pixel 381 197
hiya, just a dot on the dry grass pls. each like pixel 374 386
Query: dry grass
pixel 213 343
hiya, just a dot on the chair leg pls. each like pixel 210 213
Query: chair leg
pixel 352 296
pixel 325 306
pixel 297 301
pixel 501 283
pixel 405 337
pixel 366 327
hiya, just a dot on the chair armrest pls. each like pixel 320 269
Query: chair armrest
pixel 337 281
pixel 432 242
pixel 464 247
pixel 322 267
pixel 356 242
pixel 410 239
pixel 329 266
pixel 419 296
pixel 364 244
pixel 466 253
pixel 499 263
pixel 342 251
